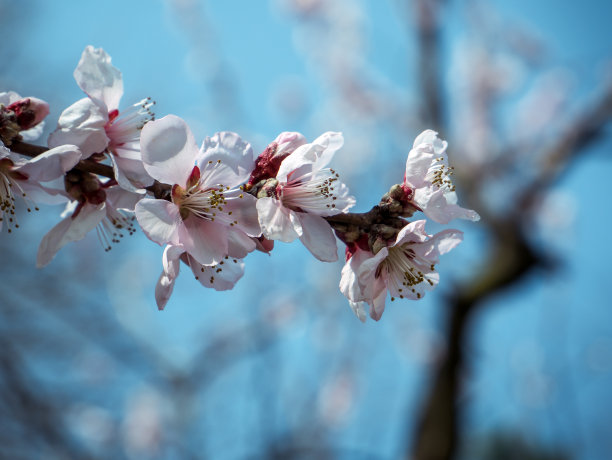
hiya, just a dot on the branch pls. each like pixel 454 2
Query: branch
pixel 512 258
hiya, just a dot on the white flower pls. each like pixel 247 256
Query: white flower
pixel 209 215
pixel 306 191
pixel 404 268
pixel 96 125
pixel 109 210
pixel 23 178
pixel 427 180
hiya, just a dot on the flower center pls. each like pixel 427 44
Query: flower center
pixel 114 227
pixel 439 174
pixel 123 128
pixel 406 270
pixel 9 183
pixel 311 192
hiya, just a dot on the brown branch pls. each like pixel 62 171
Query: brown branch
pixel 585 129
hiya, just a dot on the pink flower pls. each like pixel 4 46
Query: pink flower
pixel 304 191
pixel 209 215
pixel 21 177
pixel 427 180
pixel 96 125
pixel 221 277
pixel 108 209
pixel 404 268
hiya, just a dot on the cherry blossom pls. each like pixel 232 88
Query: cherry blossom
pixel 108 209
pixel 96 125
pixel 268 162
pixel 24 178
pixel 209 215
pixel 404 269
pixel 304 190
pixel 221 277
pixel 427 180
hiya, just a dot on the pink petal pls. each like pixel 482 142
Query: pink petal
pixel 239 244
pixel 159 220
pixel 318 237
pixel 168 150
pixel 204 240
pixel 99 78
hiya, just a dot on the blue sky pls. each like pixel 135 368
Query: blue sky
pixel 531 348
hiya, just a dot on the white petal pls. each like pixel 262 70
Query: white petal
pixel 276 221
pixel 239 244
pixel 236 157
pixel 418 163
pixel 430 137
pixel 165 284
pixel 379 291
pixel 168 150
pixel 52 164
pixel 441 243
pixel 413 232
pixel 204 240
pixel 349 282
pixel 130 174
pixel 331 142
pixel 119 198
pixel 244 212
pixel 359 310
pixel 159 220
pixel 441 206
pixel 68 230
pixel 318 237
pixel 99 78
pixel 82 124
pixel 220 277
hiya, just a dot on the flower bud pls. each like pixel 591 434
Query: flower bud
pixel 29 111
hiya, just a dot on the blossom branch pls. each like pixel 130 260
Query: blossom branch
pixel 347 225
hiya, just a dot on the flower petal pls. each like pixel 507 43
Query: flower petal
pixel 159 220
pixel 243 212
pixel 82 124
pixel 239 244
pixel 99 78
pixel 276 221
pixel 220 277
pixel 236 157
pixel 67 230
pixel 204 240
pixel 168 150
pixel 442 206
pixel 52 164
pixel 172 264
pixel 318 237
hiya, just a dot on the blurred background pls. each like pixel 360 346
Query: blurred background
pixel 510 358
